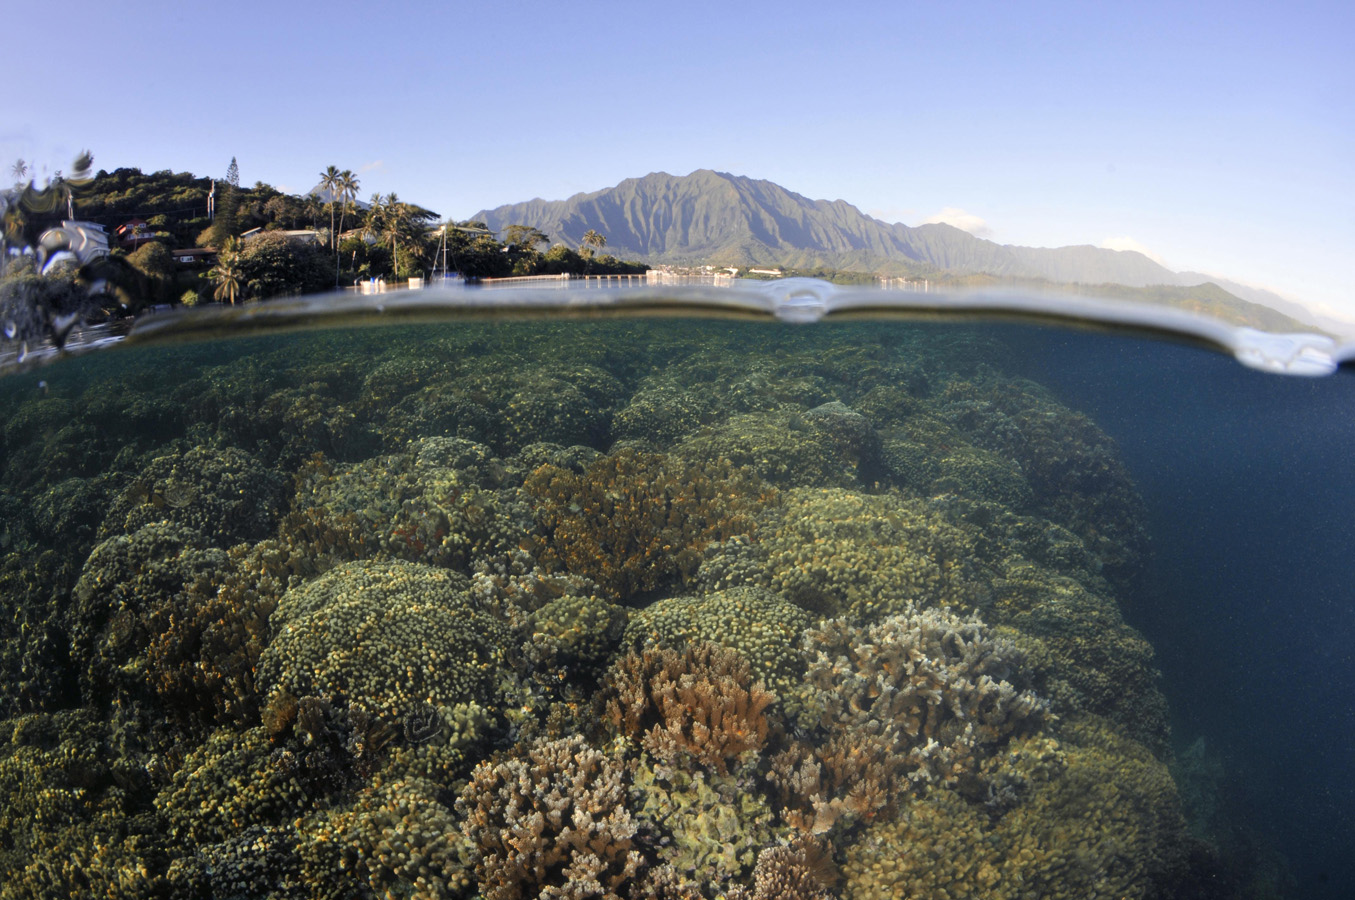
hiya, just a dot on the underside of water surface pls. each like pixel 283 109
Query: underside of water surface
pixel 651 608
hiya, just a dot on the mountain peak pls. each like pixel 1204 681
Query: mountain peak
pixel 723 218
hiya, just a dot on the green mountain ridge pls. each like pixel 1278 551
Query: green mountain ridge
pixel 731 220
pixel 725 219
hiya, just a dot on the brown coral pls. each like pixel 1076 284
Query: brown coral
pixel 700 703
pixel 550 820
pixel 634 520
pixel 852 777
pixel 803 870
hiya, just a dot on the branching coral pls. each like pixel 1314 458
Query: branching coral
pixel 916 700
pixel 634 520
pixel 550 820
pixel 700 703
pixel 932 684
pixel 802 870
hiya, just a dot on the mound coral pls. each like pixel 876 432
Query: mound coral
pixel 225 495
pixel 131 584
pixel 835 552
pixel 435 503
pixel 388 639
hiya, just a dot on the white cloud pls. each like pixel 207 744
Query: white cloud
pixel 965 221
pixel 372 166
pixel 1128 243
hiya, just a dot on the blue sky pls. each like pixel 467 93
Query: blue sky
pixel 1218 136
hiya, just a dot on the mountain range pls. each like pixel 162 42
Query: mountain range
pixel 730 220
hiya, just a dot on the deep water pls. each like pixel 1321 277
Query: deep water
pixel 1249 597
pixel 677 609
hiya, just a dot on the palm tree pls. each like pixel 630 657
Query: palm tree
pixel 227 277
pixel 347 184
pixel 19 170
pixel 348 190
pixel 593 241
pixel 227 273
pixel 329 180
pixel 395 223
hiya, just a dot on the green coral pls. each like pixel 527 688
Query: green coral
pixel 1084 654
pixel 1099 819
pixel 437 502
pixel 128 586
pixel 227 784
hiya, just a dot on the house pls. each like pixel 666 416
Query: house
pixel 194 256
pixel 133 234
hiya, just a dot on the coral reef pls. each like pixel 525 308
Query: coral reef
pixel 336 616
pixel 634 520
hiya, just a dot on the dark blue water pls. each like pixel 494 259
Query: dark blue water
pixel 1250 485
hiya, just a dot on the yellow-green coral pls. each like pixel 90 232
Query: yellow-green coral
pixel 715 824
pixel 1098 818
pixel 389 639
pixel 836 552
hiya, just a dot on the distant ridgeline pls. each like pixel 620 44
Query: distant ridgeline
pixel 728 220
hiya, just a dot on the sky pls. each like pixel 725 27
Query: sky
pixel 1216 137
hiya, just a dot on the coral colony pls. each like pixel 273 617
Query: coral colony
pixel 613 610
